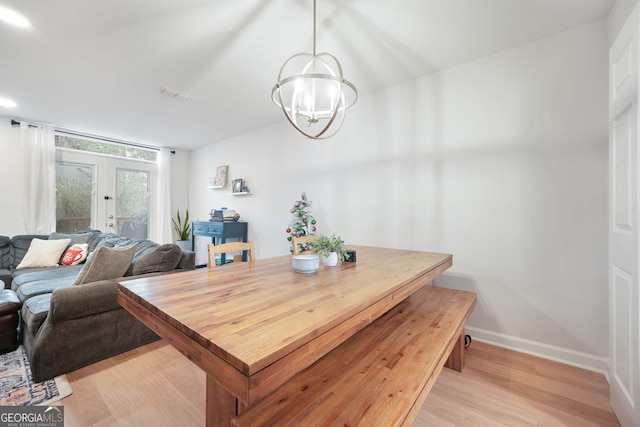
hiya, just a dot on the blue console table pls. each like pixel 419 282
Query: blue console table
pixel 219 232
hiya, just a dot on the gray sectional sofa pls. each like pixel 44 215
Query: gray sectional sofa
pixel 66 326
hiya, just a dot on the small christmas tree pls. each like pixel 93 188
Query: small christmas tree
pixel 303 223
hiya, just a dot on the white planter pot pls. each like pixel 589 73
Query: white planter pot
pixel 185 245
pixel 331 260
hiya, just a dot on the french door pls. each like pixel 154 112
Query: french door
pixel 105 193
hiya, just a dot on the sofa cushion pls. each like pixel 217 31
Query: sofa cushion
pixel 144 248
pixel 19 247
pixel 163 258
pixel 26 275
pixel 43 253
pixel 34 312
pixel 55 277
pixel 5 252
pixel 106 263
pixel 74 237
pixel 39 287
pixel 115 241
pixel 95 240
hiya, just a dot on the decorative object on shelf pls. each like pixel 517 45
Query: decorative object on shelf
pixel 183 230
pixel 215 215
pixel 306 264
pixel 332 249
pixel 317 92
pixel 220 180
pixel 237 185
pixel 303 223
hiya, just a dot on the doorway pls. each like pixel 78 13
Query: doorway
pixel 102 192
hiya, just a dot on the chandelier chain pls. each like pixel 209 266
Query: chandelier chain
pixel 312 91
pixel 314 27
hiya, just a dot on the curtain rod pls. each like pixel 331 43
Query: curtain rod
pixel 86 135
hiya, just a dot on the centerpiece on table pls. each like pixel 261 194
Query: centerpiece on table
pixel 332 249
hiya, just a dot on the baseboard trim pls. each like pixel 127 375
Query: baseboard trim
pixel 545 351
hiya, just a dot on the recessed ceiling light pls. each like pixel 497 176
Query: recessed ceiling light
pixel 14 18
pixel 7 103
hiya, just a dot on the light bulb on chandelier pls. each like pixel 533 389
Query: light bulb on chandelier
pixel 313 93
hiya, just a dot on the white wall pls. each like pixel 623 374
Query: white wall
pixel 501 161
pixel 180 182
pixel 618 16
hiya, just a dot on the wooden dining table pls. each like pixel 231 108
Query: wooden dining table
pixel 252 326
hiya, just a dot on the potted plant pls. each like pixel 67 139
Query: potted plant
pixel 183 230
pixel 332 249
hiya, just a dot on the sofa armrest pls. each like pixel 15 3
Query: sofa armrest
pixel 188 261
pixel 75 302
pixel 85 300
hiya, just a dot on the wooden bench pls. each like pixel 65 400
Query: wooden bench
pixel 379 377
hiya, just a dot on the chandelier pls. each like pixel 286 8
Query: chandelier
pixel 312 92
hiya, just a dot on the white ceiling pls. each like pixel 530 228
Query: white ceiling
pixel 98 66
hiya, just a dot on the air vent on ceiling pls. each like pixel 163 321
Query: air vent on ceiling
pixel 175 94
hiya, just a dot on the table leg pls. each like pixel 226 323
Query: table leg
pixel 456 358
pixel 221 405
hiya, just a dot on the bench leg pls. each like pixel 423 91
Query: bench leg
pixel 456 358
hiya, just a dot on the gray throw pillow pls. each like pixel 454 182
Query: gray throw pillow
pixel 106 263
pixel 164 258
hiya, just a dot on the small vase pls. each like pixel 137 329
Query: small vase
pixel 330 260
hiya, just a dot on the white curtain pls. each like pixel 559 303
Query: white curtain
pixel 162 230
pixel 39 182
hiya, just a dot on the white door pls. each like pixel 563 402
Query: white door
pixel 110 194
pixel 624 324
pixel 130 186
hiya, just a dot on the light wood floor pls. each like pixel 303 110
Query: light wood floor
pixel 156 386
pixel 500 387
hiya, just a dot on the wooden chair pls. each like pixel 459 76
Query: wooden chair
pixel 295 241
pixel 230 247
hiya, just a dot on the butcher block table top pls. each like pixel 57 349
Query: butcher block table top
pixel 252 326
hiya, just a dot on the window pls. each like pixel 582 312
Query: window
pixel 74 194
pixel 132 203
pixel 102 147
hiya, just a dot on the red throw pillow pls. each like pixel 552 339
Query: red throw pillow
pixel 75 254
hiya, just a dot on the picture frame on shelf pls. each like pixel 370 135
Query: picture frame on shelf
pixel 220 180
pixel 237 185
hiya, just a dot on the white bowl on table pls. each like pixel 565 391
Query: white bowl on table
pixel 305 263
